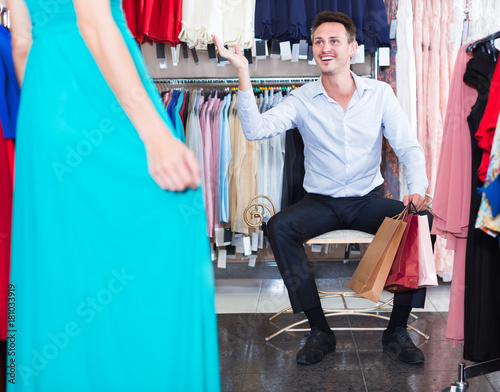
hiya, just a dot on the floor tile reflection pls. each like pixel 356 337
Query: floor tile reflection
pixel 250 363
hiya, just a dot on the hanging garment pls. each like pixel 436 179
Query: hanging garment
pixel 177 120
pixel 191 22
pixel 242 172
pixel 484 16
pixel 297 28
pixel 100 252
pixel 170 108
pixel 207 161
pixel 235 161
pixel 432 51
pixel 9 87
pixel 392 172
pixel 10 147
pixel 215 158
pixel 170 22
pixel 293 169
pixel 375 26
pixel 148 20
pixel 264 11
pixel 130 8
pixel 281 20
pixel 488 218
pixel 451 203
pixel 487 127
pixel 232 22
pixel 6 187
pixel 291 20
pixel 9 105
pixel 185 111
pixel 225 159
pixel 406 86
pixel 238 19
pixel 270 156
pixel 482 269
pixel 194 138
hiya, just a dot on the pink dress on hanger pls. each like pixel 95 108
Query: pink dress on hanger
pixel 451 204
pixel 215 160
pixel 207 162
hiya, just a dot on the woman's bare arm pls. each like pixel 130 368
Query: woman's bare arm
pixel 21 35
pixel 171 163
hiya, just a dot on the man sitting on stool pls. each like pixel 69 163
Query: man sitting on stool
pixel 342 118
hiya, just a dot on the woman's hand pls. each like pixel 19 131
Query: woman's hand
pixel 172 164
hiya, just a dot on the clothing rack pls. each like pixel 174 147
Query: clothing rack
pixel 235 81
pixel 485 367
pixel 477 369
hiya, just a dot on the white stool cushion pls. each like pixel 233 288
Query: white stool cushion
pixel 342 237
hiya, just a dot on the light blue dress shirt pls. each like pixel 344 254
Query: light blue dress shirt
pixel 342 152
pixel 224 160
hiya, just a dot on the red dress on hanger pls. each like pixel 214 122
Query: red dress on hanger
pixel 130 8
pixel 5 231
pixel 487 127
pixel 148 19
pixel 170 22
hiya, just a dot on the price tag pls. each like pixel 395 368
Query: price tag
pixel 221 260
pixel 247 247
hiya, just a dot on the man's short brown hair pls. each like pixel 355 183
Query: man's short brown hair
pixel 335 17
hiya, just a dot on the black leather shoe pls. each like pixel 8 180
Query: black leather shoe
pixel 400 346
pixel 318 344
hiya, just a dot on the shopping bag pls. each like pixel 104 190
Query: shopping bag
pixel 403 275
pixel 369 277
pixel 426 267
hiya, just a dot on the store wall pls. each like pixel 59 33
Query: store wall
pixel 270 67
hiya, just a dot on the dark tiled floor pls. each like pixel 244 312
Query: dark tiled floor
pixel 249 363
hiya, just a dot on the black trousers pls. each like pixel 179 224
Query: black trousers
pixel 317 214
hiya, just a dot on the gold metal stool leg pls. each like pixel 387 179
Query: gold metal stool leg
pixel 343 311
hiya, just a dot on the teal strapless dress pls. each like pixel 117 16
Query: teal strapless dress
pixel 112 281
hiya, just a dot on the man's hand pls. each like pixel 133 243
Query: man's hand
pixel 417 200
pixel 238 61
pixel 236 58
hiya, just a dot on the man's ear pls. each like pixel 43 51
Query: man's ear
pixel 353 48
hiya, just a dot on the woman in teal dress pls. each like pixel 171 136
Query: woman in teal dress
pixel 112 284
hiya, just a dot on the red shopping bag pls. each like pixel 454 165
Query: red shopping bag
pixel 403 275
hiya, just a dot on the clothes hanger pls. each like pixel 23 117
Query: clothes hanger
pixel 486 44
pixel 4 16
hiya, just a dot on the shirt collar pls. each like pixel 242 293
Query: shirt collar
pixel 361 85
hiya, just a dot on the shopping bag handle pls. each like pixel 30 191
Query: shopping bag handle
pixel 402 214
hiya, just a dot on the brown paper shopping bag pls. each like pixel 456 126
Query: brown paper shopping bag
pixel 371 274
pixel 403 275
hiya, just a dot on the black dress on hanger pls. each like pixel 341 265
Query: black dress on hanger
pixel 482 270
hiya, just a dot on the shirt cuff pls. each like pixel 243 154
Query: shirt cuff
pixel 420 189
pixel 245 97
